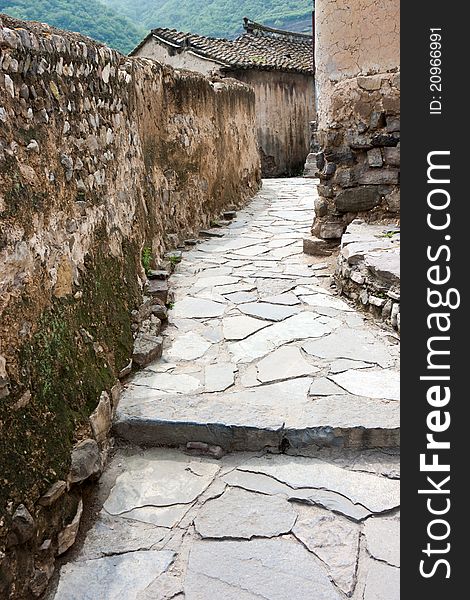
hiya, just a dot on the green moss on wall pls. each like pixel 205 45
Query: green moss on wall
pixel 79 346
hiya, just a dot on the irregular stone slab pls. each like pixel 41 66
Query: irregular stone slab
pixel 349 414
pixel 110 535
pixel 383 539
pixel 169 383
pixel 188 346
pixel 241 297
pixel 324 387
pixel 160 516
pixel 251 251
pixel 219 377
pixel 298 327
pixel 269 312
pixel 382 581
pixel 166 587
pixel 210 282
pixel 377 494
pixel 232 289
pixel 257 482
pixel 357 344
pixel 214 272
pixel 334 539
pixel 267 568
pixel 326 301
pixel 371 384
pixel 344 364
pixel 287 299
pixel 198 308
pixel 264 484
pixel 331 501
pixel 244 515
pixel 122 576
pixel 240 327
pixel 284 363
pixel 258 417
pixel 158 479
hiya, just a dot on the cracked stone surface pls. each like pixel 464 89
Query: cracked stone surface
pixel 122 576
pixel 334 539
pixel 383 540
pixel 262 358
pixel 250 525
pixel 250 311
pixel 245 515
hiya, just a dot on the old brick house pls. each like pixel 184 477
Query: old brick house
pixel 279 66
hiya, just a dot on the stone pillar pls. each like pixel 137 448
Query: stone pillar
pixel 358 115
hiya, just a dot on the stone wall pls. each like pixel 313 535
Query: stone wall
pixel 102 158
pixel 358 118
pixel 285 106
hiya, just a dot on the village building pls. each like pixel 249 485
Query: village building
pixel 277 64
pixel 356 151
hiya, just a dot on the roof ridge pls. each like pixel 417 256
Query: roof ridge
pixel 249 25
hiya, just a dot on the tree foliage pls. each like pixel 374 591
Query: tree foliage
pixel 219 18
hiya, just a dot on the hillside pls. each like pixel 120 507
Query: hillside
pixel 219 18
pixel 123 23
pixel 90 17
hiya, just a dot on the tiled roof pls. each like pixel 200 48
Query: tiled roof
pixel 259 48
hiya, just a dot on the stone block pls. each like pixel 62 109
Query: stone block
pixel 332 230
pixel 55 492
pixel 326 191
pixel 374 157
pixel 161 274
pixel 370 83
pixel 100 419
pixel 357 199
pixel 321 207
pixel 315 246
pixel 385 139
pixel 158 289
pixel 393 124
pixel 66 538
pixel 392 156
pixel 23 524
pixel 86 461
pixel 147 348
pixel 379 177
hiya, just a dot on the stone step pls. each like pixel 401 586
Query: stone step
pixel 281 415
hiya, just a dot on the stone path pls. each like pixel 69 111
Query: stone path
pixel 260 357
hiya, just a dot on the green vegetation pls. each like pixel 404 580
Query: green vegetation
pixel 89 17
pixel 147 258
pixel 219 18
pixel 122 24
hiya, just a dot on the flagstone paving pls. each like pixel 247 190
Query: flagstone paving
pixel 252 301
pixel 263 362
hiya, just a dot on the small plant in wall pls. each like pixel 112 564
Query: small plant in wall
pixel 146 259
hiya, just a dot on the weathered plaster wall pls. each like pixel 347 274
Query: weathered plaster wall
pixel 358 120
pixel 175 58
pixel 285 105
pixel 100 156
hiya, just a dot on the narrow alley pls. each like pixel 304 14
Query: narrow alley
pixel 258 458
